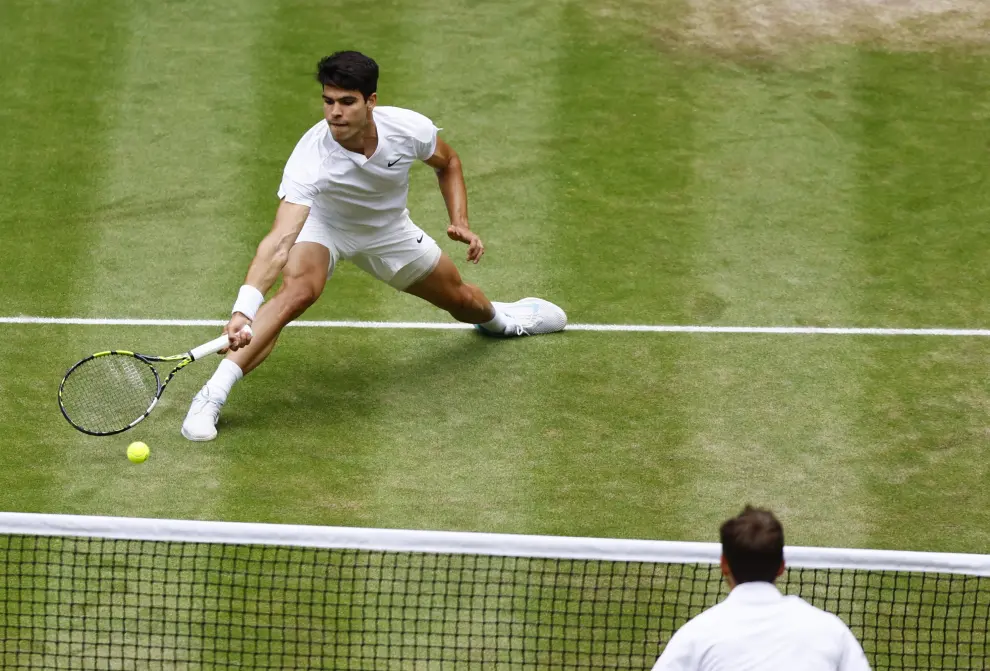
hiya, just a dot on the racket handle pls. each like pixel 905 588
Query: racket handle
pixel 213 346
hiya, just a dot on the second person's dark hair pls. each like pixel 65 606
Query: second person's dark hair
pixel 349 70
pixel 753 545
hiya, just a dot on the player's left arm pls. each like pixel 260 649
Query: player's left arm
pixel 447 164
pixel 678 655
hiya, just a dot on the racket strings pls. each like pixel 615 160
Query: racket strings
pixel 109 392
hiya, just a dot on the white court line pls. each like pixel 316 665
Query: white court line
pixel 642 328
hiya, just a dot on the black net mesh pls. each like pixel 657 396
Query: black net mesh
pixel 77 603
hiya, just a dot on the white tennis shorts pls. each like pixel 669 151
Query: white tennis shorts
pixel 399 254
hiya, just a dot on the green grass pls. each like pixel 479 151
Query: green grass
pixel 611 168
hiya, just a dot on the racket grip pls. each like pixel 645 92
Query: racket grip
pixel 213 346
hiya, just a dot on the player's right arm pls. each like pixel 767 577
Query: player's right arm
pixel 271 257
pixel 853 657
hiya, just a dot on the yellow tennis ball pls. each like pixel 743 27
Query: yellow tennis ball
pixel 138 452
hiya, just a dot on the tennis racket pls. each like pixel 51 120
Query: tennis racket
pixel 110 392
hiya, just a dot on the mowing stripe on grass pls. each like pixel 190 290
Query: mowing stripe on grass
pixel 471 83
pixel 613 328
pixel 59 68
pixel 774 193
pixel 181 123
pixel 282 101
pixel 923 136
pixel 622 251
pixel 178 122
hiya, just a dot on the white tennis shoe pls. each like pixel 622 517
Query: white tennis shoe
pixel 530 316
pixel 200 423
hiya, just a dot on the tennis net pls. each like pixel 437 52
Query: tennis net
pixel 123 593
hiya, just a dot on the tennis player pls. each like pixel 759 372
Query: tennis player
pixel 756 627
pixel 343 197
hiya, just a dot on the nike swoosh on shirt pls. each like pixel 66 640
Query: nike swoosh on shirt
pixel 420 237
pixel 394 162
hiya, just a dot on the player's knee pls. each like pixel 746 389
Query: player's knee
pixel 299 295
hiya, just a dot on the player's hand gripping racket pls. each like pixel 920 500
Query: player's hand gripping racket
pixel 110 392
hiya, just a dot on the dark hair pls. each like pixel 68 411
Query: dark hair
pixel 753 545
pixel 349 70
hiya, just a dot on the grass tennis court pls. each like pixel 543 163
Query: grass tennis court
pixel 627 160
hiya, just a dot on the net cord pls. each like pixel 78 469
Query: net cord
pixel 473 543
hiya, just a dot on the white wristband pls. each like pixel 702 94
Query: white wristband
pixel 248 301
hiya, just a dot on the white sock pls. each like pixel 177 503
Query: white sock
pixel 223 379
pixel 500 323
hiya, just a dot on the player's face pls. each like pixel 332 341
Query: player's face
pixel 347 112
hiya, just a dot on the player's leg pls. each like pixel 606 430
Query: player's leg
pixel 443 287
pixel 303 279
pixel 411 261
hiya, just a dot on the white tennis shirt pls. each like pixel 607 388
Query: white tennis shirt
pixel 349 191
pixel 758 628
